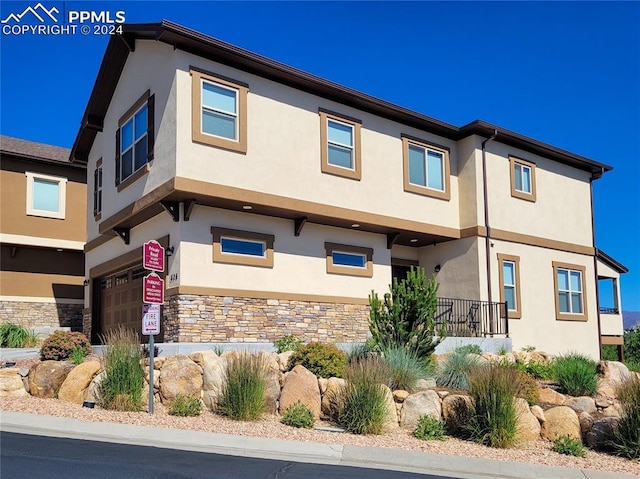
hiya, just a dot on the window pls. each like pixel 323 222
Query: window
pixel 46 195
pixel 523 179
pixel 426 168
pixel 569 289
pixel 135 141
pixel 219 111
pixel 510 284
pixel 340 145
pixel 97 190
pixel 349 260
pixel 242 247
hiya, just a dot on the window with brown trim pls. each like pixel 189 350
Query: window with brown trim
pixel 570 291
pixel 218 111
pixel 340 145
pixel 523 179
pixel 349 260
pixel 135 141
pixel 97 190
pixel 510 284
pixel 242 247
pixel 426 168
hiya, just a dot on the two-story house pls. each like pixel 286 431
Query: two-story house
pixel 284 199
pixel 42 236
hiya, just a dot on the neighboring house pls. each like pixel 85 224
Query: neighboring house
pixel 610 301
pixel 285 199
pixel 42 236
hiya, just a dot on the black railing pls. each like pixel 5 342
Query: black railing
pixel 471 318
pixel 609 310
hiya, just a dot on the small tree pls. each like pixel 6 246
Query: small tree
pixel 405 318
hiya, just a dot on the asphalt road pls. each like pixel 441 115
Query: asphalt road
pixel 24 455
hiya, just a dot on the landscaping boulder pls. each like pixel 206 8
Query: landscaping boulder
pixel 272 378
pixel 11 384
pixel 613 372
pixel 46 377
pixel 399 395
pixel 301 385
pixel 582 403
pixel 538 413
pixel 601 433
pixel 561 421
pixel 391 422
pixel 180 376
pixel 77 381
pixel 331 396
pixel 615 410
pixel 586 421
pixel 283 360
pixel 420 404
pixel 92 393
pixel 457 410
pixel 551 396
pixel 527 426
pixel 213 376
pixel 201 357
pixel 425 384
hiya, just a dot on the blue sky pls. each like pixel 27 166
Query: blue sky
pixel 564 73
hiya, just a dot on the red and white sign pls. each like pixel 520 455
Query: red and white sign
pixel 153 256
pixel 153 289
pixel 150 319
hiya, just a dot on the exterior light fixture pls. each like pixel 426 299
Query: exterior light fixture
pixel 414 240
pixel 247 207
pixel 437 268
pixel 169 251
pixel 355 225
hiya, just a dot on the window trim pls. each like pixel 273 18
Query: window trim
pixel 246 260
pixel 515 313
pixel 425 190
pixel 62 196
pixel 98 177
pixel 354 173
pixel 562 316
pixel 523 195
pixel 197 77
pixel 367 271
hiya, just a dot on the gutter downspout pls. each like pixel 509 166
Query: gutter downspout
pixel 487 246
pixel 595 176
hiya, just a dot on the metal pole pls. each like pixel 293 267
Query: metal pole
pixel 151 348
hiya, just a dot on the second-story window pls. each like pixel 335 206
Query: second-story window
pixel 340 145
pixel 426 168
pixel 134 141
pixel 523 180
pixel 97 189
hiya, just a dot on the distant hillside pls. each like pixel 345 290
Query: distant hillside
pixel 630 319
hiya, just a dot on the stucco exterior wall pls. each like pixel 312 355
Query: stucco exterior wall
pixel 470 182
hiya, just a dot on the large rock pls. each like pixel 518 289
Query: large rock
pixel 201 357
pixel 11 384
pixel 420 404
pixel 425 384
pixel 586 421
pixel 301 385
pixel 582 404
pixel 561 421
pixel 180 376
pixel 283 360
pixel 213 375
pixel 528 426
pixel 46 377
pixel 615 410
pixel 601 433
pixel 272 378
pixel 612 375
pixel 92 393
pixel 551 396
pixel 331 396
pixel 399 395
pixel 457 410
pixel 391 420
pixel 538 413
pixel 77 381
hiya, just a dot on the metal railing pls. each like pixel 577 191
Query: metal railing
pixel 471 318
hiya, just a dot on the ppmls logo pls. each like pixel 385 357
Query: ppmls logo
pixel 39 12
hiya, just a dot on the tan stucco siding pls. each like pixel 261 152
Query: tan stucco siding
pixel 611 325
pixel 18 283
pixel 284 152
pixel 13 202
pixel 538 325
pixel 470 182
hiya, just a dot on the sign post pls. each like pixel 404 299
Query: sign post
pixel 153 297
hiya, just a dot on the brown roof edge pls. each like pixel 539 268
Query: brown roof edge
pixel 609 261
pixel 35 151
pixel 216 50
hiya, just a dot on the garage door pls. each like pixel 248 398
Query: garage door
pixel 121 300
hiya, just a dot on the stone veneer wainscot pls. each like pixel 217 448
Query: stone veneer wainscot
pixel 35 315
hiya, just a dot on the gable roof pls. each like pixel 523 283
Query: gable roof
pixel 31 150
pixel 612 263
pixel 210 48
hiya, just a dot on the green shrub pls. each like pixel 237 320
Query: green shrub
pixel 501 351
pixel 609 352
pixel 632 345
pixel 15 336
pixel 631 366
pixel 539 370
pixel 243 388
pixel 494 419
pixel 576 374
pixel 454 372
pixel 185 406
pixel 405 318
pixel 287 343
pixel 121 389
pixel 61 344
pixel 429 428
pixel 528 349
pixel 469 349
pixel 528 388
pixel 78 355
pixel 568 446
pixel 363 405
pixel 626 435
pixel 298 415
pixel 324 360
pixel 218 350
pixel 405 368
pixel 361 351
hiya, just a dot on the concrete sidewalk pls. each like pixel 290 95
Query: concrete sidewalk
pixel 377 458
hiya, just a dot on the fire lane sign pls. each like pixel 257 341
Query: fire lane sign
pixel 150 319
pixel 153 256
pixel 153 289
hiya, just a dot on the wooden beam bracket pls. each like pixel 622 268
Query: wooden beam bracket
pixel 173 208
pixel 391 239
pixel 187 209
pixel 123 233
pixel 298 224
